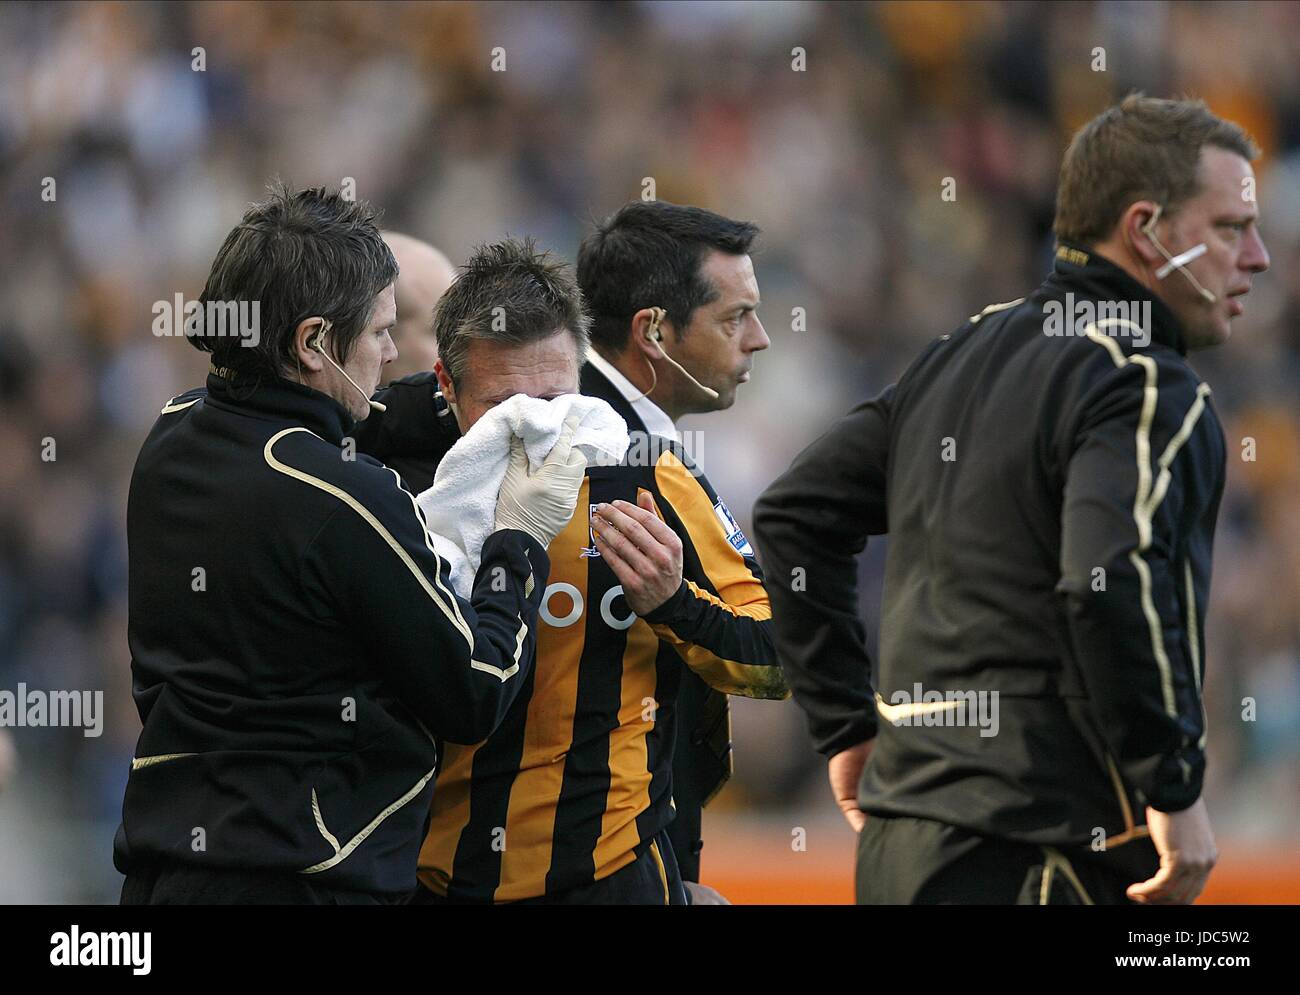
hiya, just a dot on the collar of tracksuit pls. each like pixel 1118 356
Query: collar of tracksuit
pixel 1078 267
pixel 277 398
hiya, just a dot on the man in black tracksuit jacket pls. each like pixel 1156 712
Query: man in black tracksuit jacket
pixel 979 555
pixel 292 691
pixel 1050 500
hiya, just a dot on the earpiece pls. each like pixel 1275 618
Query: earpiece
pixel 317 343
pixel 653 333
pixel 1178 262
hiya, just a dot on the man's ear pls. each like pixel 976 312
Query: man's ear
pixel 1132 224
pixel 444 382
pixel 308 358
pixel 643 338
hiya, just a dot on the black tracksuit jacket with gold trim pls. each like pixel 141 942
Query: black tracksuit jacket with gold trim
pixel 297 647
pixel 1050 502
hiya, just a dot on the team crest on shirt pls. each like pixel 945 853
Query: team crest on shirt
pixel 732 531
pixel 590 549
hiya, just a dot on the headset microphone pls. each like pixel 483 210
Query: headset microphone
pixel 316 344
pixel 655 335
pixel 1178 262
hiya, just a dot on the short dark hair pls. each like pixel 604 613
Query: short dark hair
pixel 1143 148
pixel 508 292
pixel 297 255
pixel 648 254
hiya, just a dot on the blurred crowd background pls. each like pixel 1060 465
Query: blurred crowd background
pixel 841 161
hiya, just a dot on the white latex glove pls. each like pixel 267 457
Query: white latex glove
pixel 541 503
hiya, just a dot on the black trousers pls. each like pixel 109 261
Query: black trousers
pixel 183 884
pixel 651 879
pixel 903 861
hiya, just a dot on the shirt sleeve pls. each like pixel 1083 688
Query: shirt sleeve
pixel 720 619
pixel 811 524
pixel 456 663
pixel 1143 480
pixel 417 422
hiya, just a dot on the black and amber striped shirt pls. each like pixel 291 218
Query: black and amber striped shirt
pixel 578 777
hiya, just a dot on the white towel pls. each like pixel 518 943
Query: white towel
pixel 460 507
